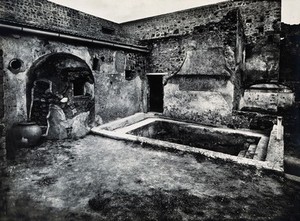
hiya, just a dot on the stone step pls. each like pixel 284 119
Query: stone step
pixel 251 151
pixel 242 153
pixel 261 149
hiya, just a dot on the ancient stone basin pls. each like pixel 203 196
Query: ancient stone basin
pixel 240 146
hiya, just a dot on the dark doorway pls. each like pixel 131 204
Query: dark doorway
pixel 156 93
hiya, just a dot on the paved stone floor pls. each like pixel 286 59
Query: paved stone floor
pixel 98 178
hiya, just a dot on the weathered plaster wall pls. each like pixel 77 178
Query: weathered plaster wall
pixel 114 95
pixel 117 96
pixel 2 125
pixel 204 70
pixel 261 20
pixel 46 15
pixel 198 99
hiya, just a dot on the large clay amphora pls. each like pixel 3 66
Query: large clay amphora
pixel 25 134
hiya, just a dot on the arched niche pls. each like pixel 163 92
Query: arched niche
pixel 63 80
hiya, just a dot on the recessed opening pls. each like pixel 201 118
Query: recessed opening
pixel 109 31
pixel 248 52
pixel 78 87
pixel 249 20
pixel 95 63
pixel 15 64
pixel 128 75
pixel 205 138
pixel 156 99
pixel 260 30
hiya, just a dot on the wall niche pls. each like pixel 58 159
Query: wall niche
pixel 60 84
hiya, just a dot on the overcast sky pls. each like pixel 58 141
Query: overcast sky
pixel 126 10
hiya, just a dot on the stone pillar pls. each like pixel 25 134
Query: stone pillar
pixel 3 165
pixel 2 126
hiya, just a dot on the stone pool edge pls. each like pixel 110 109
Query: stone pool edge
pixel 274 156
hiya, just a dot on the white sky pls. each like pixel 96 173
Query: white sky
pixel 126 10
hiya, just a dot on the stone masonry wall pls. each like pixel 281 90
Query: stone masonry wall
pixel 115 96
pixel 255 14
pixel 203 69
pixel 2 125
pixel 46 15
pixel 261 20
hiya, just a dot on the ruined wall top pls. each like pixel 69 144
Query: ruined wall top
pixel 260 18
pixel 46 15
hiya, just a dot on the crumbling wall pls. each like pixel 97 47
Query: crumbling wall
pixel 46 15
pixel 204 70
pixel 2 125
pixel 115 96
pixel 119 81
pixel 261 21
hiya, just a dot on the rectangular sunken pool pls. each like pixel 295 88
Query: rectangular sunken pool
pixel 244 147
pixel 195 136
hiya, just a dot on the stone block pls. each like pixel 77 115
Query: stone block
pixel 80 126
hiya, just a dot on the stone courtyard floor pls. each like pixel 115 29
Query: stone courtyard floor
pixel 97 178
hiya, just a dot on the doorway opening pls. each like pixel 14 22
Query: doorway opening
pixel 156 97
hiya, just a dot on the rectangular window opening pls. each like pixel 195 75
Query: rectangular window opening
pixel 78 87
pixel 95 64
pixel 109 31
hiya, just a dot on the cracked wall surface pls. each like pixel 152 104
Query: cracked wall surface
pixel 261 21
pixel 211 54
pixel 204 70
pixel 115 96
